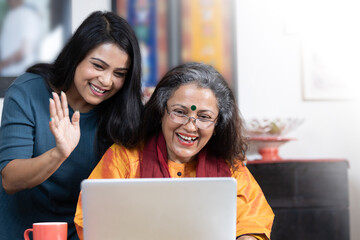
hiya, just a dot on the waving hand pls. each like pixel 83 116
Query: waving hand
pixel 66 132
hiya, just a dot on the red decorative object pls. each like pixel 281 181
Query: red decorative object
pixel 268 147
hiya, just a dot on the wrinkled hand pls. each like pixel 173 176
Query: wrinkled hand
pixel 66 133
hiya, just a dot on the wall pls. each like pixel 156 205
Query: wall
pixel 270 75
pixel 82 8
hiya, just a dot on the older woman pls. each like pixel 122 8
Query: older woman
pixel 192 128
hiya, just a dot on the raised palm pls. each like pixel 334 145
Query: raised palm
pixel 66 132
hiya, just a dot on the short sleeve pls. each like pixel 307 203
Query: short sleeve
pixel 17 126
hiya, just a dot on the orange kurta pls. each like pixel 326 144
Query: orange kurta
pixel 254 215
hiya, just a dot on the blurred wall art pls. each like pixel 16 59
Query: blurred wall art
pixel 171 32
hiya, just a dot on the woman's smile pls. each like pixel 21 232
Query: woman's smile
pixel 97 90
pixel 186 139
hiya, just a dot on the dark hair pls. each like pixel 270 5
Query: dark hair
pixel 119 117
pixel 228 142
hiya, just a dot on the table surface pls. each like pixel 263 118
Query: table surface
pixel 297 160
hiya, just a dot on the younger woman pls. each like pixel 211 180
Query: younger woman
pixel 95 82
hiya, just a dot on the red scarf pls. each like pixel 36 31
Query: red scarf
pixel 154 161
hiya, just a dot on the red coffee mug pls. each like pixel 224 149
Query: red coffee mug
pixel 47 230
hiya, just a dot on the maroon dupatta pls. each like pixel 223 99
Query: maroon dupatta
pixel 153 163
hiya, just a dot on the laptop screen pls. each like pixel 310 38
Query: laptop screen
pixel 159 209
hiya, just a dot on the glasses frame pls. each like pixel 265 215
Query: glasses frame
pixel 194 120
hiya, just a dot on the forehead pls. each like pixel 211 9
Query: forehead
pixel 110 53
pixel 192 94
pixel 108 49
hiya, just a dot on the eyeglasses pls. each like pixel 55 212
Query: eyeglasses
pixel 180 118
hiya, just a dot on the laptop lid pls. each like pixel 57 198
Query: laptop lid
pixel 159 209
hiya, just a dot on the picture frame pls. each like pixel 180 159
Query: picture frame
pixel 329 71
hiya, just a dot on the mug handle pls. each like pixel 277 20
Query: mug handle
pixel 26 233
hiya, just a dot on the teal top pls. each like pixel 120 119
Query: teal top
pixel 24 134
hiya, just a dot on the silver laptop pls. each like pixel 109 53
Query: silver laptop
pixel 159 209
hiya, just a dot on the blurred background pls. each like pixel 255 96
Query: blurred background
pixel 31 31
pixel 282 58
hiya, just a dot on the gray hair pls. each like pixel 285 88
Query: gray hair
pixel 228 141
